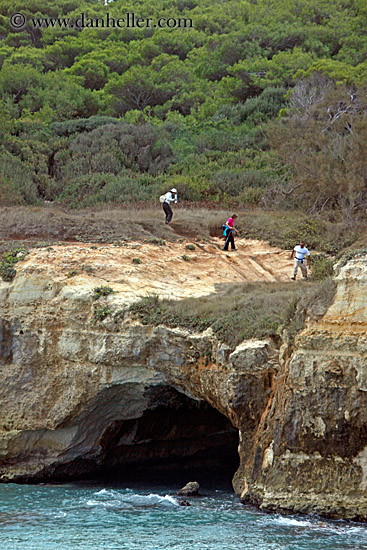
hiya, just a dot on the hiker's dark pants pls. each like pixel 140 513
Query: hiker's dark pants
pixel 229 239
pixel 168 211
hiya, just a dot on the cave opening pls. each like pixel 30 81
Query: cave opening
pixel 178 439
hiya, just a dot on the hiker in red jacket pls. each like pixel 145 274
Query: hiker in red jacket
pixel 229 228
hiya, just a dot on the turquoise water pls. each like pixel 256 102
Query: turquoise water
pixel 82 517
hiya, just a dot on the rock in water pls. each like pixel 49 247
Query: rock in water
pixel 184 502
pixel 190 489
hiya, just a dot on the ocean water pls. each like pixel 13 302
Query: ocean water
pixel 85 517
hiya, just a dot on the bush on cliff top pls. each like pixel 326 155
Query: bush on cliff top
pixel 240 312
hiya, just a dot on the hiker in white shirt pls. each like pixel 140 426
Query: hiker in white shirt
pixel 166 199
pixel 298 253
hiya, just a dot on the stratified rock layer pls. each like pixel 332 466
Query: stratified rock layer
pixel 311 452
pixel 79 395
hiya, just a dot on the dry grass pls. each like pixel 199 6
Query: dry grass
pixel 312 304
pixel 280 228
pixel 103 225
pixel 236 313
pixel 243 311
pixel 328 233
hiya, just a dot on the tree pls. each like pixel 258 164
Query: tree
pixel 93 72
pixel 139 87
pixel 17 80
pixel 113 147
pixel 65 96
pixel 322 141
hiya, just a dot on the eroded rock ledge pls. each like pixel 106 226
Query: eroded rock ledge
pixel 79 395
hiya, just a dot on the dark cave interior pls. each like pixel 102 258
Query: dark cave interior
pixel 176 441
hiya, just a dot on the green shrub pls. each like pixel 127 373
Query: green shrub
pixel 137 261
pixel 8 260
pixel 102 291
pixel 76 126
pixel 156 240
pixel 97 188
pixel 101 313
pixel 42 244
pixel 322 267
pixel 251 195
pixel 266 105
pixel 286 229
pixel 7 272
pixel 72 274
pixel 112 148
pixel 16 182
pixel 308 231
pixel 190 247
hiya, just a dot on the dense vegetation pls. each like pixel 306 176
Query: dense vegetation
pixel 260 102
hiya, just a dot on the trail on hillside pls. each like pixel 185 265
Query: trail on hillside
pixel 175 270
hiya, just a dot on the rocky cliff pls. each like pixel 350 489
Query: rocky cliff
pixel 311 452
pixel 82 394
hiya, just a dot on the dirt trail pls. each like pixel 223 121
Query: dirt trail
pixel 171 271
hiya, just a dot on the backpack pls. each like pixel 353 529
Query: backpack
pixel 162 198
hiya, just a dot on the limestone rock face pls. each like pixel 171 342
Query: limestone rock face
pixel 311 453
pixel 79 394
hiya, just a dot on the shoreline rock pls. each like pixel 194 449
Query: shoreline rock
pixel 190 489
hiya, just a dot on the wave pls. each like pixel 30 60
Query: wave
pixel 322 525
pixel 110 498
pixel 294 522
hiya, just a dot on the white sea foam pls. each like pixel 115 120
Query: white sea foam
pixel 102 492
pixel 104 503
pixel 131 499
pixel 59 515
pixel 321 525
pixel 150 500
pixel 294 522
